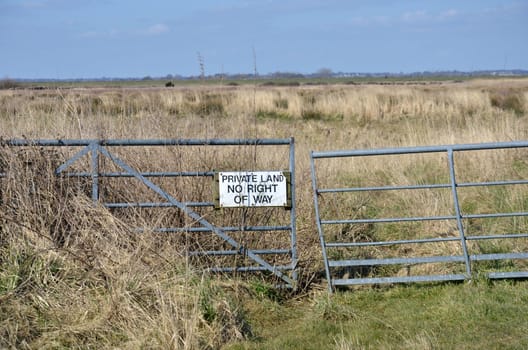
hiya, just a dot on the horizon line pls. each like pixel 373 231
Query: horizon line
pixel 292 74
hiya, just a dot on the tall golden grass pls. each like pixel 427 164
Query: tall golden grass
pixel 74 275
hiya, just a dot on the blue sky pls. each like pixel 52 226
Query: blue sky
pixel 132 38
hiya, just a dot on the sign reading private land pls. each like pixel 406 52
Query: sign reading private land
pixel 253 188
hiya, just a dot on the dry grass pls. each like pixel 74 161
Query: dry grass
pixel 75 275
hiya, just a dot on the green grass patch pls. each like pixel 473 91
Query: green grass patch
pixel 272 115
pixel 477 315
pixel 312 114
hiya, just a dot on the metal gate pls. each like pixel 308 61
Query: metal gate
pixel 415 214
pixel 107 165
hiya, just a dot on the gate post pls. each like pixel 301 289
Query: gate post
pixel 458 214
pixel 94 172
pixel 318 223
pixel 293 215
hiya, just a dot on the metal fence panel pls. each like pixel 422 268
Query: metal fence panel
pixel 372 255
pixel 97 161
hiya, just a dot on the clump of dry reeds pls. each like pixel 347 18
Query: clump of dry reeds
pixel 74 275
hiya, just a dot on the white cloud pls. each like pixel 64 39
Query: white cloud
pixel 90 34
pixel 366 21
pixel 448 14
pixel 157 29
pixel 414 16
pixel 409 17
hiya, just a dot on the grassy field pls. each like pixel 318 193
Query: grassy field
pixel 477 315
pixel 77 276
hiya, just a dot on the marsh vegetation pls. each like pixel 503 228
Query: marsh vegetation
pixel 76 276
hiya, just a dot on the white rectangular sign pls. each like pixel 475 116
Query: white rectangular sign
pixel 252 189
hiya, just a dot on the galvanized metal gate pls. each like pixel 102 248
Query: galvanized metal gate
pixel 366 239
pixel 97 161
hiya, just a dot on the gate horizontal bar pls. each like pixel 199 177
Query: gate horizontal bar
pixel 382 188
pixel 156 205
pixel 421 218
pixel 495 215
pixel 424 149
pixel 148 142
pixel 383 220
pixel 514 274
pixel 392 261
pixel 248 268
pixel 227 229
pixel 420 187
pixel 383 280
pixel 503 256
pixel 493 183
pixel 145 174
pixel 382 243
pixel 505 236
pixel 236 252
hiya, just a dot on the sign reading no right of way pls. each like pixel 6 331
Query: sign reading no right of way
pixel 253 189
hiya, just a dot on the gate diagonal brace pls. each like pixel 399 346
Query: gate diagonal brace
pixel 75 158
pixel 198 218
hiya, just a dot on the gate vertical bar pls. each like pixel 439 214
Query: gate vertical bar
pixel 95 172
pixel 458 214
pixel 293 214
pixel 318 223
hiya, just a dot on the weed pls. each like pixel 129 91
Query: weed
pixel 265 290
pixel 209 105
pixel 272 115
pixel 509 101
pixel 317 115
pixel 281 103
pixel 7 83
